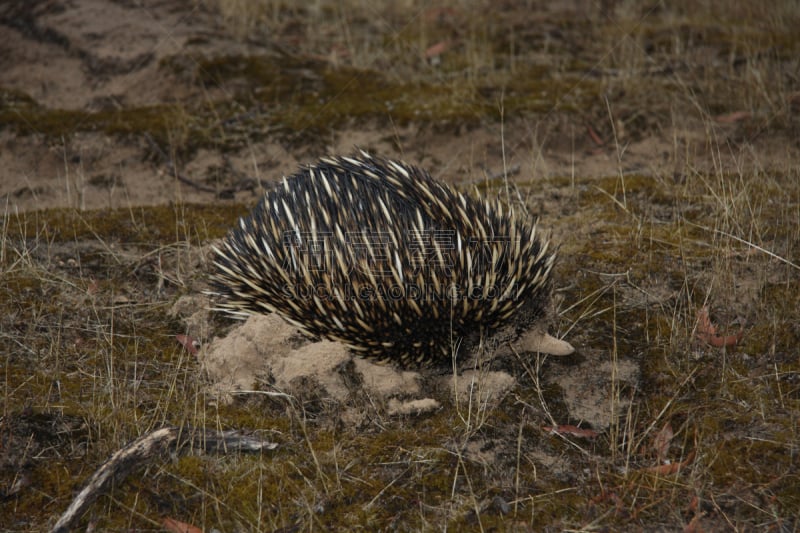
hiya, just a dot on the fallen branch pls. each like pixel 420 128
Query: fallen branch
pixel 142 450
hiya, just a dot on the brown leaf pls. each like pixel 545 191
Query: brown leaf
pixel 694 526
pixel 569 429
pixel 671 468
pixel 594 136
pixel 719 341
pixel 664 470
pixel 437 49
pixel 694 504
pixel 170 524
pixel 662 441
pixel 704 325
pixel 707 331
pixel 92 287
pixel 191 344
pixel 606 496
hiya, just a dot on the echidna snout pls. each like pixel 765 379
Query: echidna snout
pixel 542 342
pixel 376 254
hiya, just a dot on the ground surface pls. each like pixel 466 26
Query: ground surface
pixel 658 142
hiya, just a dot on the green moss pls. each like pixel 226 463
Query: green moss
pixel 159 225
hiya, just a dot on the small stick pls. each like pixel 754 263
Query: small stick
pixel 140 451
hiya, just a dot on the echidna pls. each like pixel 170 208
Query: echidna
pixel 376 254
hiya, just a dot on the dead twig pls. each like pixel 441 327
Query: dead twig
pixel 142 450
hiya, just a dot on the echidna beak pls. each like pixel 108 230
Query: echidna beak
pixel 536 341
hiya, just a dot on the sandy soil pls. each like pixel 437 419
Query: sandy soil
pixel 90 55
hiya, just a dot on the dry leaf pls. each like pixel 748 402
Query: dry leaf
pixel 694 504
pixel 662 441
pixel 671 468
pixel 170 524
pixel 437 49
pixel 92 287
pixel 664 470
pixel 704 324
pixel 594 136
pixel 726 340
pixel 707 331
pixel 694 526
pixel 606 496
pixel 568 429
pixel 191 344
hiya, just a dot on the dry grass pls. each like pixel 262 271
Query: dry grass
pixel 91 361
